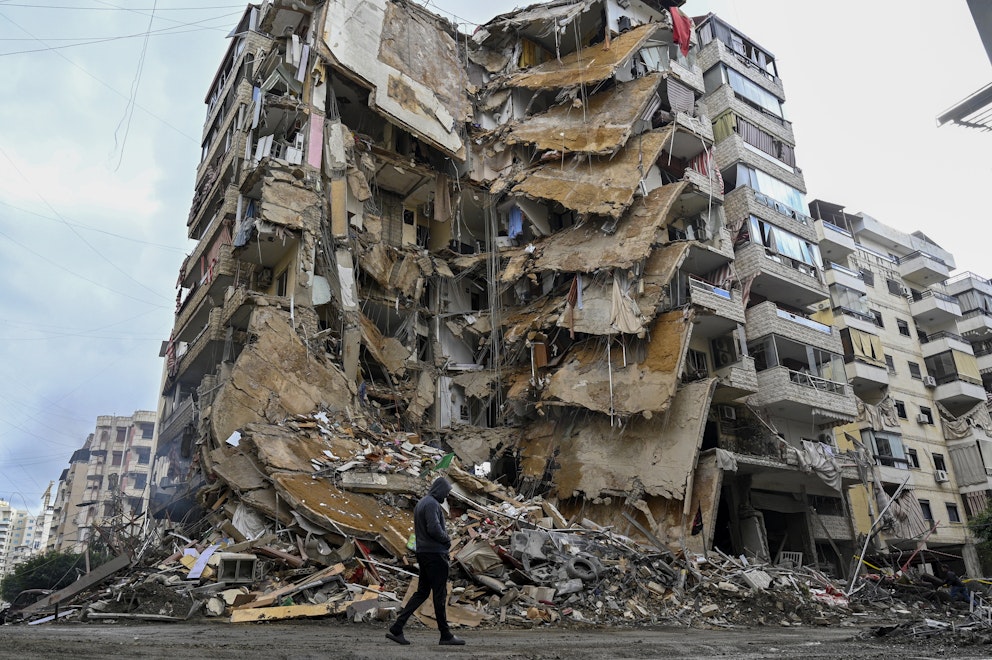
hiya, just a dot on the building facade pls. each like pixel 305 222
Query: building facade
pixel 104 491
pixel 589 260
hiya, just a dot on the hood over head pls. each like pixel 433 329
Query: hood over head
pixel 440 489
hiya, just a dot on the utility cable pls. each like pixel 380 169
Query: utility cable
pixel 81 238
pixel 129 106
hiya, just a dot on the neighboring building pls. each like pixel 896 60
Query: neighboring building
pixel 7 516
pixel 106 485
pixel 922 405
pixel 774 506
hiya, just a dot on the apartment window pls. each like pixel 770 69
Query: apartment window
pixel 118 458
pixel 890 364
pixel 929 415
pixel 282 283
pixel 914 370
pixel 903 328
pixel 887 448
pixel 927 512
pixel 868 277
pixel 144 455
pixel 695 367
pixel 913 458
pixel 938 462
pixel 121 435
pixel 783 243
pixel 952 513
pixel 895 287
pixel 139 481
pixel 954 365
pixel 147 431
pixel 901 409
pixel 877 315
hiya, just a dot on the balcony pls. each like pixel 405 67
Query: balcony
pixel 718 311
pixel 863 375
pixel 976 325
pixel 767 319
pixel 843 276
pixel 192 313
pixel 778 277
pixel 923 269
pixel 968 281
pixel 942 342
pixel 710 187
pixel 723 98
pixel 205 352
pixel 931 309
pixel 736 380
pixel 716 51
pixel 173 425
pixel 836 243
pixel 958 393
pixel 803 397
pixel 774 211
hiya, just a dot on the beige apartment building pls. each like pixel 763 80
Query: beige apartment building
pixel 105 488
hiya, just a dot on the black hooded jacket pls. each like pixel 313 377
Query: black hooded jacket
pixel 428 519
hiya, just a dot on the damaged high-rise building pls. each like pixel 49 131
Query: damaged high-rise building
pixel 572 246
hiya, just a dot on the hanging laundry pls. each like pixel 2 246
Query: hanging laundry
pixel 681 29
pixel 516 226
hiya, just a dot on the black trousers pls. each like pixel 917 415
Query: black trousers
pixel 433 579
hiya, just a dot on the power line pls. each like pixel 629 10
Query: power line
pixel 102 82
pixel 77 234
pixel 129 106
pixel 75 274
pixel 95 229
pixel 161 32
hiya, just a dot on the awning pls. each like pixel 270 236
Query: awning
pixel 830 418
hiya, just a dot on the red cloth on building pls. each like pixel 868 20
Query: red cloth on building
pixel 681 29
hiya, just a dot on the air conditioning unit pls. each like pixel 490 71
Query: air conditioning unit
pixel 940 476
pixel 728 412
pixel 922 418
pixel 929 381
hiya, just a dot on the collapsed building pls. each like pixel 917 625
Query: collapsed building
pixel 519 245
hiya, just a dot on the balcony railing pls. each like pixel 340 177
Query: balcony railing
pixel 864 316
pixel 926 339
pixel 919 253
pixel 831 265
pixel 928 293
pixel 802 320
pixel 816 382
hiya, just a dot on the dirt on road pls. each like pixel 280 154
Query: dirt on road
pixel 334 639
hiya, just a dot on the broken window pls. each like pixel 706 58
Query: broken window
pixel 695 365
pixel 887 448
pixel 139 481
pixel 147 431
pixel 282 283
pixel 792 201
pixel 901 409
pixel 143 454
pixel 784 243
pixel 745 89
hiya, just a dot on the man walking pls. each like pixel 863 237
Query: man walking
pixel 432 546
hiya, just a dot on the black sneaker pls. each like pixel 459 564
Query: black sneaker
pixel 452 641
pixel 399 638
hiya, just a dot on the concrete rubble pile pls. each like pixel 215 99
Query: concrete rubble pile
pixel 318 523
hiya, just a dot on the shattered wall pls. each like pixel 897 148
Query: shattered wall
pixel 483 230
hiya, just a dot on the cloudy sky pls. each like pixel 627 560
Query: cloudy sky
pixel 99 142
